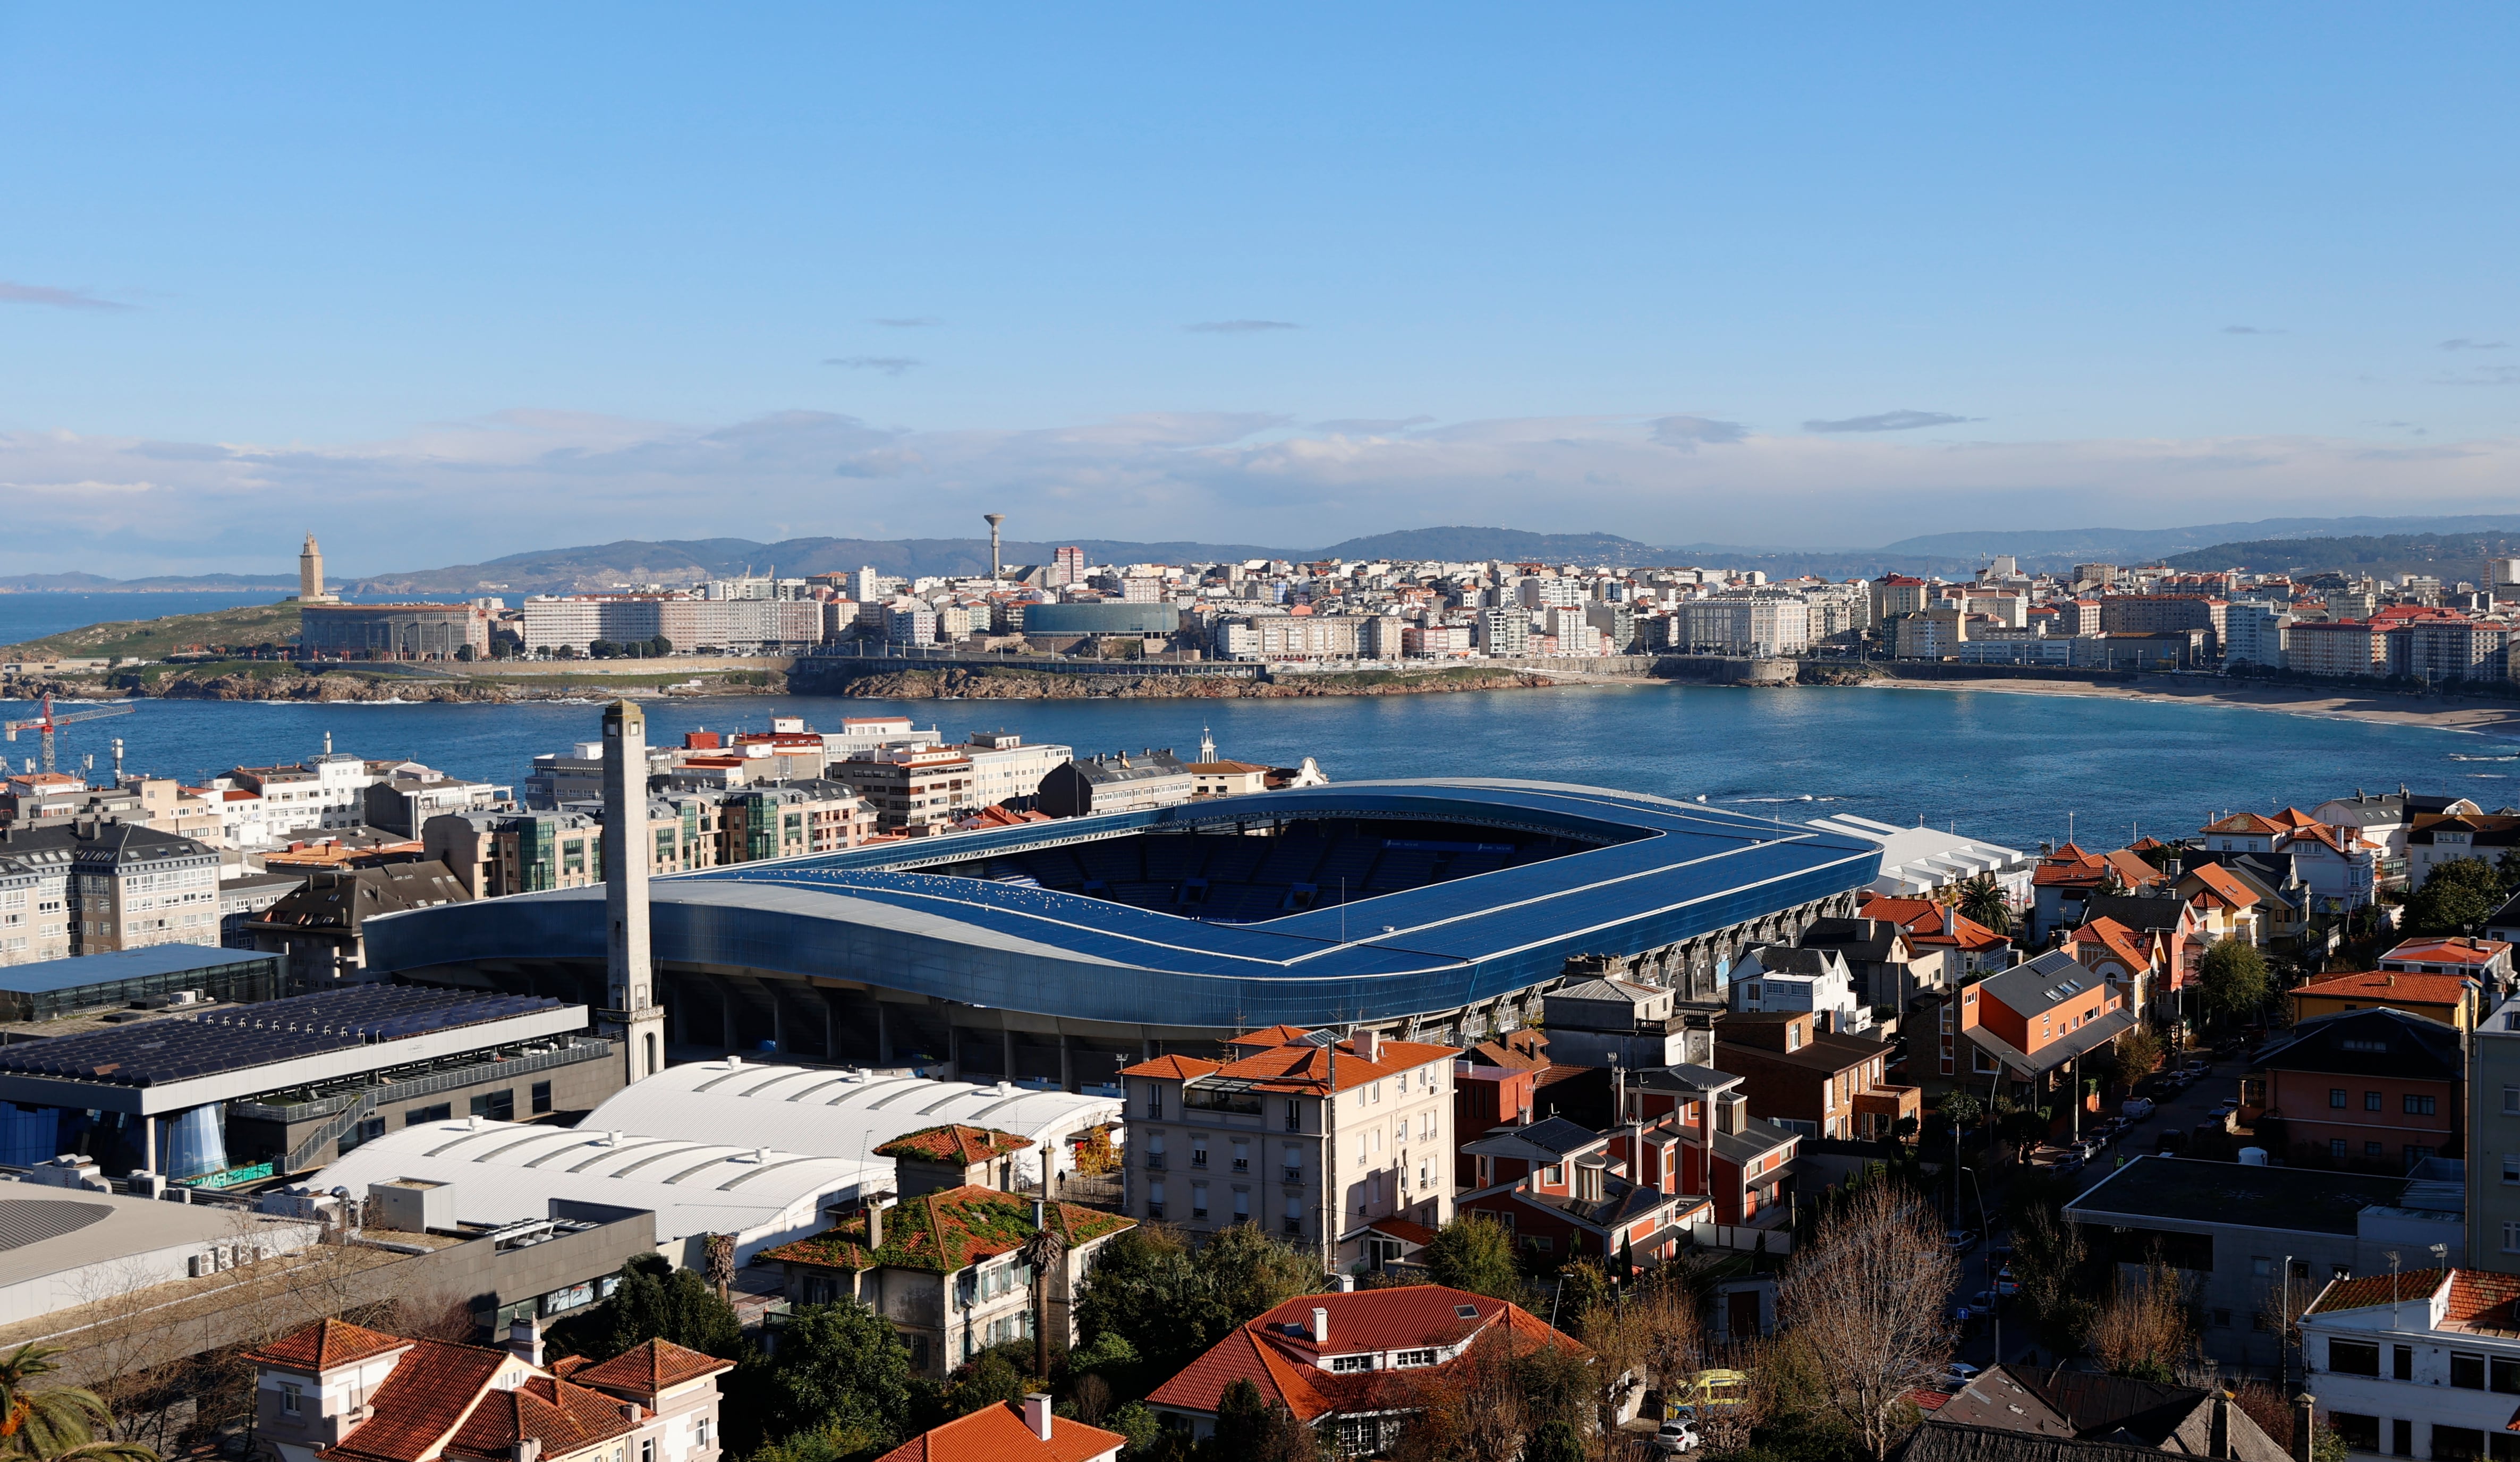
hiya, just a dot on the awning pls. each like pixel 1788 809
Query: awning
pixel 2089 1037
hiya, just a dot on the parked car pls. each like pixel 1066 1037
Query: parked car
pixel 2138 1109
pixel 1675 1438
pixel 1958 1374
pixel 1959 1240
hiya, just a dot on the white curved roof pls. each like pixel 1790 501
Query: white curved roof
pixel 845 1114
pixel 504 1171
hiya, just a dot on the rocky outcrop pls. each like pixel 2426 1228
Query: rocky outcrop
pixel 993 684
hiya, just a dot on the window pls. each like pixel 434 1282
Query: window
pixel 2416 1152
pixel 2370 1101
pixel 415 1115
pixel 2336 1148
pixel 2222 1319
pixel 1414 1357
pixel 1154 1102
pixel 2371 1149
pixel 2511 1166
pixel 498 1106
pixel 1241 1203
pixel 1154 1200
pixel 2402 1362
pixel 1365 1363
pixel 2467 1371
pixel 2511 1099
pixel 2353 1357
pixel 2402 1437
pixel 1198 1200
pixel 2359 1433
pixel 1198 1151
pixel 542 1097
pixel 701 1432
pixel 2420 1106
pixel 1294 1115
pixel 2261 1267
pixel 291 1399
pixel 1295 1216
pixel 2503 1375
pixel 2457 1444
pixel 1554 1176
pixel 648 1451
pixel 2336 1097
pixel 1241 1155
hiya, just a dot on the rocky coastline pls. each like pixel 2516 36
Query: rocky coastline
pixel 992 683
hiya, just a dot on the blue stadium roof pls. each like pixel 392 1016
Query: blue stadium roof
pixel 1658 873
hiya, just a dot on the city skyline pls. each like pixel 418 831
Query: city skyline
pixel 1147 276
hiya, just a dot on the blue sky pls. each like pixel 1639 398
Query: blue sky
pixel 448 283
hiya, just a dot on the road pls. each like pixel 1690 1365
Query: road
pixel 2181 1113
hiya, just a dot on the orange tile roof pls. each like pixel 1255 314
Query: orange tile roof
pixel 2116 937
pixel 2390 985
pixel 2226 885
pixel 1927 922
pixel 2245 823
pixel 943 1231
pixel 1277 1355
pixel 954 1142
pixel 2477 951
pixel 324 1345
pixel 1173 1068
pixel 2477 1296
pixel 999 1433
pixel 1269 1037
pixel 2380 1289
pixel 647 1369
pixel 417 1409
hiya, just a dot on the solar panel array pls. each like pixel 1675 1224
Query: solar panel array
pixel 184 1047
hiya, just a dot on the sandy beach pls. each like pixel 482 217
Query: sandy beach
pixel 2482 716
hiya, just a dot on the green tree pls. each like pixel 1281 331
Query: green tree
pixel 1962 1110
pixel 2506 872
pixel 1981 900
pixel 659 1301
pixel 1582 1286
pixel 2458 898
pixel 1476 1252
pixel 55 1423
pixel 1168 1305
pixel 993 1379
pixel 840 1366
pixel 1135 1422
pixel 1555 1441
pixel 1251 1273
pixel 2232 981
pixel 2139 1053
pixel 1253 1429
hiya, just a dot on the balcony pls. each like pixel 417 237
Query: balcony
pixel 1294 1175
pixel 1156 1161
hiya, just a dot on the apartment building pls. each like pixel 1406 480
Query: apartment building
pixel 328 791
pixel 1117 782
pixel 2420 1362
pixel 1311 1137
pixel 2377 1090
pixel 494 855
pixel 1006 769
pixel 1812 1081
pixel 790 819
pixel 2494 1132
pixel 2157 613
pixel 2337 646
pixel 916 791
pixel 118 885
pixel 34 904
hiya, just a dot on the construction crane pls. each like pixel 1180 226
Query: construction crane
pixel 48 723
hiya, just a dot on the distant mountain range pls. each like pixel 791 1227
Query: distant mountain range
pixel 2270 544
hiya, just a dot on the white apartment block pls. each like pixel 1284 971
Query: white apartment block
pixel 2421 1363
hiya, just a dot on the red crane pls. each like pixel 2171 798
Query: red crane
pixel 48 723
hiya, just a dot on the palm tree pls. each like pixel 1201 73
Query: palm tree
pixel 56 1424
pixel 1043 1250
pixel 1982 901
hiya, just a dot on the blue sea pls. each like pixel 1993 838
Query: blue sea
pixel 2015 769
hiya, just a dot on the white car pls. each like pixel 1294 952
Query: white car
pixel 1957 1375
pixel 1675 1438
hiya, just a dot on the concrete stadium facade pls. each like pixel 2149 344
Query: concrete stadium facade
pixel 965 956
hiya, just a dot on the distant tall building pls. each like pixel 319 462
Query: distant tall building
pixel 310 574
pixel 1071 567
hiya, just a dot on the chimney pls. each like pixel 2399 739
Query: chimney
pixel 526 1450
pixel 2220 1442
pixel 525 1340
pixel 1369 1045
pixel 2304 1418
pixel 1347 1284
pixel 1037 1413
pixel 875 1224
pixel 1321 1326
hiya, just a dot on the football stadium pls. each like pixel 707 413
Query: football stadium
pixel 1432 910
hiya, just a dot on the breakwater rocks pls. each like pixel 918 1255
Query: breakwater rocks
pixel 992 682
pixel 279 683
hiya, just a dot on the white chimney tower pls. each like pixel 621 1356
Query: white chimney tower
pixel 631 1015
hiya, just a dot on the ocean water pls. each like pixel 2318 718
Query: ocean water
pixel 31 617
pixel 2012 768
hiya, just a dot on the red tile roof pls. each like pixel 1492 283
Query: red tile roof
pixel 324 1345
pixel 2476 951
pixel 2390 985
pixel 1927 922
pixel 1275 1353
pixel 432 1389
pixel 647 1369
pixel 1269 1037
pixel 944 1231
pixel 564 1417
pixel 953 1143
pixel 999 1433
pixel 1172 1068
pixel 2116 937
pixel 2226 885
pixel 1280 1059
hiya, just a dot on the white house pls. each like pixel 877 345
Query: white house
pixel 1782 978
pixel 2424 1363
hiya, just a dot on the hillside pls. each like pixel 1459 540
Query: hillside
pixel 2448 556
pixel 2064 547
pixel 156 638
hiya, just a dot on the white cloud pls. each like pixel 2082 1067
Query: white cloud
pixel 467 491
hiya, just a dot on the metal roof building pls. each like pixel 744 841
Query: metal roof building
pixel 1427 907
pixel 844 1114
pixel 504 1172
pixel 49 989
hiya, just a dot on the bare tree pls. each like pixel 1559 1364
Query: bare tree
pixel 1867 1298
pixel 2144 1330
